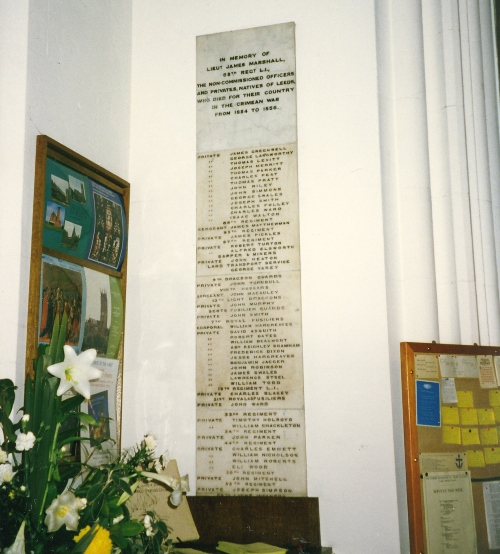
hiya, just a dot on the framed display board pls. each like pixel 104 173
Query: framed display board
pixel 78 269
pixel 451 411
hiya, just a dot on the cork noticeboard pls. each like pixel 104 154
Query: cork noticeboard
pixel 451 412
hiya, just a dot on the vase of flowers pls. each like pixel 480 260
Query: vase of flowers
pixel 50 503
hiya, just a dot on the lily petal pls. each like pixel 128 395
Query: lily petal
pixel 76 371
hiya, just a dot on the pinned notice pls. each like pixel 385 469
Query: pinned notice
pixel 489 436
pixel 447 365
pixel 465 399
pixel 468 416
pixel 428 403
pixel 475 458
pixel 451 435
pixel 486 416
pixel 487 377
pixel 448 391
pixel 426 366
pixel 450 415
pixel 466 366
pixel 449 512
pixel 470 435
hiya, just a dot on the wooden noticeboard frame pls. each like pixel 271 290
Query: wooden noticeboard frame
pixel 421 439
pixel 81 201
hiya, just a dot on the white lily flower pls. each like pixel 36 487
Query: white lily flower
pixel 3 456
pixel 18 547
pixel 178 486
pixel 76 371
pixel 169 481
pixel 64 511
pixel 25 441
pixel 6 473
pixel 176 496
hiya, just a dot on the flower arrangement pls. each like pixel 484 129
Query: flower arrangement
pixel 50 503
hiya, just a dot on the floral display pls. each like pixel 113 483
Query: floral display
pixel 53 503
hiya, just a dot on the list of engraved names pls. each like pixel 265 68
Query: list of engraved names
pixel 250 413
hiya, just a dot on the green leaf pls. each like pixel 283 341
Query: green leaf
pixel 131 528
pixel 72 403
pixel 118 538
pixel 162 527
pixel 125 487
pixel 7 396
pixel 54 336
pixel 87 418
pixel 94 492
pixel 59 356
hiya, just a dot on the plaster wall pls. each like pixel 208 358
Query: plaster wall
pixel 64 72
pixel 349 433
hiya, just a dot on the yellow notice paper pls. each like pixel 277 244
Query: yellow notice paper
pixel 470 435
pixel 451 435
pixel 468 416
pixel 492 456
pixel 489 435
pixel 449 415
pixel 486 416
pixel 475 458
pixel 496 411
pixel 426 366
pixel 465 399
pixel 494 397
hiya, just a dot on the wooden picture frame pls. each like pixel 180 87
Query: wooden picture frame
pixel 79 259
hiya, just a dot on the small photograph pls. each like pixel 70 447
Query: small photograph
pixel 71 235
pixel 54 216
pixel 108 232
pixel 59 190
pixel 97 313
pixel 99 410
pixel 61 294
pixel 77 190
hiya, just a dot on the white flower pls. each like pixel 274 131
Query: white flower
pixel 3 456
pixel 150 442
pixel 26 417
pixel 117 519
pixel 76 371
pixel 18 547
pixel 162 462
pixel 6 473
pixel 181 486
pixel 178 486
pixel 148 524
pixel 64 511
pixel 25 441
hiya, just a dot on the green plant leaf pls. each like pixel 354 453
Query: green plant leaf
pixel 162 527
pixel 131 528
pixel 125 487
pixel 7 396
pixel 94 492
pixel 87 418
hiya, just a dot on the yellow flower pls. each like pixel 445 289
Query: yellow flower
pixel 101 543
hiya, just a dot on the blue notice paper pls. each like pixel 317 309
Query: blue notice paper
pixel 428 403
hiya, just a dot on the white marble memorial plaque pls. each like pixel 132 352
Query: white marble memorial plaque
pixel 250 406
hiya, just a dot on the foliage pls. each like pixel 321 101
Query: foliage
pixel 52 503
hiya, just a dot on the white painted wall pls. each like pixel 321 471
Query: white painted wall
pixel 346 362
pixel 65 73
pixel 115 81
